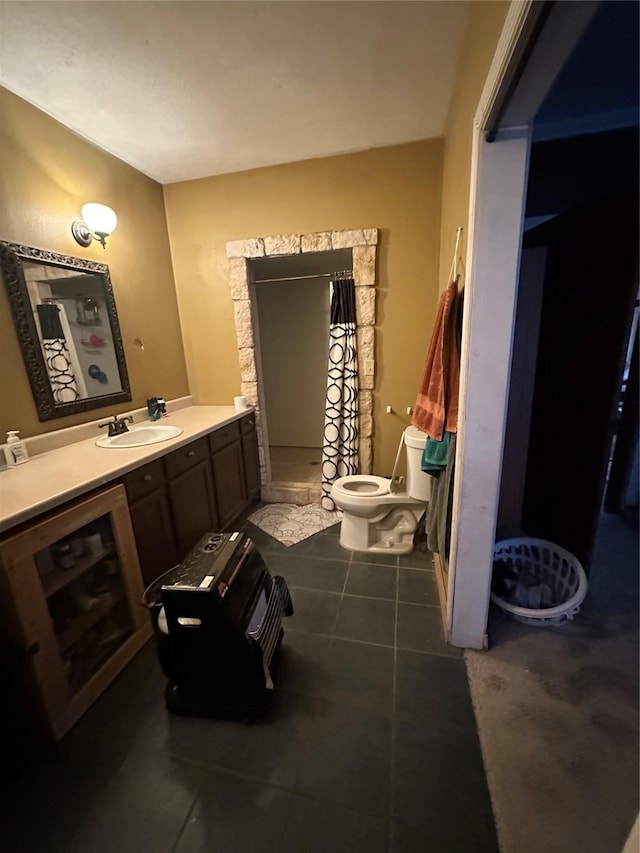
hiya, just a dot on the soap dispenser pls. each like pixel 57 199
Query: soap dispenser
pixel 16 449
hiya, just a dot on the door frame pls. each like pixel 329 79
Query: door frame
pixel 363 244
pixel 499 171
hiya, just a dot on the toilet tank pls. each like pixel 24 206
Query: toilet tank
pixel 418 483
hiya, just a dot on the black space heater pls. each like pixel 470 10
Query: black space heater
pixel 218 622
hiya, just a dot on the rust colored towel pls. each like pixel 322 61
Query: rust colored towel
pixel 436 409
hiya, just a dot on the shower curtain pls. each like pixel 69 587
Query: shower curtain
pixel 340 443
pixel 56 354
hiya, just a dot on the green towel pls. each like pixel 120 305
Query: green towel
pixel 435 455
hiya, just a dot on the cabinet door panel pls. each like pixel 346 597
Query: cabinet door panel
pixel 251 464
pixel 193 504
pixel 228 475
pixel 153 530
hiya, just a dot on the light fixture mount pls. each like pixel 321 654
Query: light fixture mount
pixel 98 221
pixel 82 234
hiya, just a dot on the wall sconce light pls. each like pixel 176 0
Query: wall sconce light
pixel 98 221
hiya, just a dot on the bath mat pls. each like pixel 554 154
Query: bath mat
pixel 290 524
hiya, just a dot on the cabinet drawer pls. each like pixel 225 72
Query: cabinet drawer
pixel 185 458
pixel 223 436
pixel 247 424
pixel 143 480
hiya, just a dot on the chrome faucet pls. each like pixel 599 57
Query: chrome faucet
pixel 118 425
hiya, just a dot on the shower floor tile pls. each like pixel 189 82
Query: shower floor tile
pixel 296 464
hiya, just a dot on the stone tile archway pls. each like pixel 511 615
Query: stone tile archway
pixel 363 243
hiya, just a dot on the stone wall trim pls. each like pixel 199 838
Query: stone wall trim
pixel 364 243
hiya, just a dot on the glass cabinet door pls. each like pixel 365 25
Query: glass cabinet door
pixel 71 598
pixel 82 582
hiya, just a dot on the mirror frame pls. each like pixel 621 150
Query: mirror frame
pixel 12 256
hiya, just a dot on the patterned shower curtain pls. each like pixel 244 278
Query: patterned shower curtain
pixel 56 355
pixel 340 448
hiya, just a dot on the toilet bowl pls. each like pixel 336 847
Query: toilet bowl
pixel 377 519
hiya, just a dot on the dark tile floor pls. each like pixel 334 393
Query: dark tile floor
pixel 370 744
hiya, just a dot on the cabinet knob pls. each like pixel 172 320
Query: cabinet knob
pixel 191 454
pixel 147 478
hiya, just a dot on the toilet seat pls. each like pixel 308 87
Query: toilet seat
pixel 363 486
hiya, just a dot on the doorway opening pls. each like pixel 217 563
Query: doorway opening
pixel 567 405
pixel 622 494
pixel 546 106
pixel 291 298
pixel 305 263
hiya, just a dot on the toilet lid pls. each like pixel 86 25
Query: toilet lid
pixel 363 485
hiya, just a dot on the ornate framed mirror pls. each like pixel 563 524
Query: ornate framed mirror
pixel 65 317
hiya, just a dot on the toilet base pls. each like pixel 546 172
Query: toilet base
pixel 389 534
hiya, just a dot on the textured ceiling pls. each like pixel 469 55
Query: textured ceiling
pixel 186 89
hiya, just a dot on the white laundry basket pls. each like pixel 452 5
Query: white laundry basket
pixel 553 566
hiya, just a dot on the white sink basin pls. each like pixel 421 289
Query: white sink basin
pixel 140 436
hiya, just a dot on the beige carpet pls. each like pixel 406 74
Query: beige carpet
pixel 557 713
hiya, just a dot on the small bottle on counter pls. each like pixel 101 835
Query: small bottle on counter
pixel 15 449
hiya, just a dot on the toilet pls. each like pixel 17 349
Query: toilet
pixel 374 518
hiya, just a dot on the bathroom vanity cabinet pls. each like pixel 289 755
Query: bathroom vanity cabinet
pixel 204 485
pixel 72 575
pixel 70 602
pixel 250 456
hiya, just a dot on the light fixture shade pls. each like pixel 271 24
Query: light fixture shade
pixel 99 218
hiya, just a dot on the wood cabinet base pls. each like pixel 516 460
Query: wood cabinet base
pixel 78 623
pixel 87 694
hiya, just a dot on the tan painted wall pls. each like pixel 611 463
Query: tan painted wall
pixel 481 37
pixel 46 174
pixel 395 189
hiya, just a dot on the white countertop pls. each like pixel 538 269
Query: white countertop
pixel 52 478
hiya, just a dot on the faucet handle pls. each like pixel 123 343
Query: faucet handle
pixel 118 425
pixel 112 424
pixel 109 423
